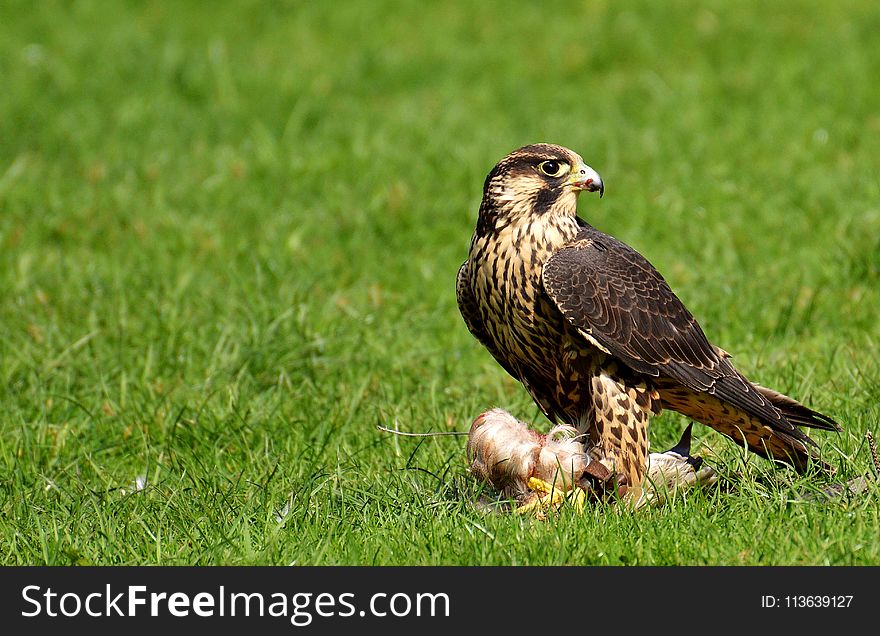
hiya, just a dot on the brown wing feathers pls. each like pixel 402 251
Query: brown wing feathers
pixel 608 290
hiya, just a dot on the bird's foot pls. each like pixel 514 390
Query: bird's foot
pixel 543 497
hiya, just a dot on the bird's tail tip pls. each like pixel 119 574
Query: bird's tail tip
pixel 797 413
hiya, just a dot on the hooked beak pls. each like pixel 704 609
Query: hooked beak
pixel 583 177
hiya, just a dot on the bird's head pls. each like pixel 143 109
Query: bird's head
pixel 537 180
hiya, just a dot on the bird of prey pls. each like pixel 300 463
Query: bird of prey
pixel 594 332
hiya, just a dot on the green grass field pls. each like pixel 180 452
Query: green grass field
pixel 229 239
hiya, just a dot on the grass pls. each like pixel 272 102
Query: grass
pixel 228 241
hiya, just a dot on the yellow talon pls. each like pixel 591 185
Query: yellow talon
pixel 540 485
pixel 551 499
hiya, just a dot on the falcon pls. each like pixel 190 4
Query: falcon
pixel 594 332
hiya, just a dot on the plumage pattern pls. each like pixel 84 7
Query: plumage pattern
pixel 594 332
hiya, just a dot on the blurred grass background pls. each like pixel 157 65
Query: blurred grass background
pixel 229 237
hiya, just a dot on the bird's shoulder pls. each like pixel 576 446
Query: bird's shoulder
pixel 592 248
pixel 596 265
pixel 613 294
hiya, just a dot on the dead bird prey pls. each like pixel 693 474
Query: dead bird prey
pixel 539 472
pixel 594 332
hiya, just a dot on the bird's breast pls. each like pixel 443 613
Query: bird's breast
pixel 506 277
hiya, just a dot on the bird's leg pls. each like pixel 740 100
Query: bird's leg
pixel 621 409
pixel 618 431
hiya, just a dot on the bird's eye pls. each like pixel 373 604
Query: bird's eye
pixel 553 168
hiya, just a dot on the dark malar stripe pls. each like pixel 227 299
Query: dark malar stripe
pixel 545 199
